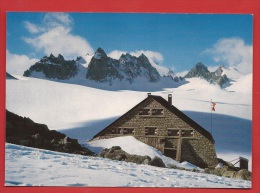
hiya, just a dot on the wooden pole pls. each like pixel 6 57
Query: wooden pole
pixel 211 116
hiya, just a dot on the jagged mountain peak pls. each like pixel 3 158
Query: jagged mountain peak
pixel 127 57
pixel 100 53
pixel 201 66
pixel 61 57
pixel 219 71
pixel 128 67
pixel 142 56
pixel 52 59
pixel 201 71
pixel 53 67
pixel 51 56
pixel 101 68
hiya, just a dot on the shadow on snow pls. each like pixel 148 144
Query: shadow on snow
pixel 231 134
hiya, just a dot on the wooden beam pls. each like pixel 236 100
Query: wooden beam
pixel 178 156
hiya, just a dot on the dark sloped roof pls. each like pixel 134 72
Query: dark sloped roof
pixel 172 109
pixel 184 117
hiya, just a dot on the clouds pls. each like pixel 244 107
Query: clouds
pixel 33 28
pixel 52 20
pixel 17 64
pixel 233 52
pixel 54 36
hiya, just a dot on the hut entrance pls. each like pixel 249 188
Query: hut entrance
pixel 172 153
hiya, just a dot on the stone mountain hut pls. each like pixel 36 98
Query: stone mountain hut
pixel 156 122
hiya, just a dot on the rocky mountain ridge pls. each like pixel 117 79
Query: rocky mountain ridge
pixel 54 67
pixel 100 69
pixel 105 69
pixel 127 70
pixel 201 71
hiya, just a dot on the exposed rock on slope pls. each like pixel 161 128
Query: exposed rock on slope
pixel 9 76
pixel 116 153
pixel 101 69
pixel 54 67
pixel 201 71
pixel 23 131
pixel 105 69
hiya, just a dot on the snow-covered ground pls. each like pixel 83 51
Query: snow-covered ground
pixel 34 167
pixel 132 146
pixel 81 112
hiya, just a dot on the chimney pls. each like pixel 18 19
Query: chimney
pixel 148 94
pixel 170 99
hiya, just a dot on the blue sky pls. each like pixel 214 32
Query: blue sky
pixel 176 41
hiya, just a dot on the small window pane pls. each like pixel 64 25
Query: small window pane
pixel 116 131
pixel 187 133
pixel 144 112
pixel 172 132
pixel 150 130
pixel 128 131
pixel 157 112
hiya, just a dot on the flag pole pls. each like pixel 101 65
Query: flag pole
pixel 211 116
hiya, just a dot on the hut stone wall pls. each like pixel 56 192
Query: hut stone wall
pixel 155 125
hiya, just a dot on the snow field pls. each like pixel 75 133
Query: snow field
pixel 34 167
pixel 81 112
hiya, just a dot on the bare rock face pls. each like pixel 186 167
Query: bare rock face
pixel 105 69
pixel 201 71
pixel 116 153
pixel 156 161
pixel 243 174
pixel 23 131
pixel 229 174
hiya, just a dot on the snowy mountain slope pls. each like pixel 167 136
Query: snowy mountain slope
pixel 243 84
pixel 87 58
pixel 34 167
pixel 231 72
pixel 81 112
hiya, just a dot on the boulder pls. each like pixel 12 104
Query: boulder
pixel 243 174
pixel 228 170
pixel 156 161
pixel 116 153
pixel 147 161
pixel 229 174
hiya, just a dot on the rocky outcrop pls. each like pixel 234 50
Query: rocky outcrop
pixel 201 71
pixel 228 170
pixel 9 76
pixel 105 69
pixel 156 161
pixel 23 131
pixel 53 67
pixel 116 153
